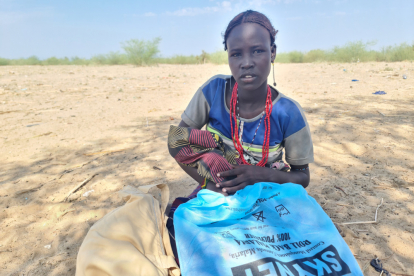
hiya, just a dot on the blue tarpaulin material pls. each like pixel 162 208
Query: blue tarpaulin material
pixel 264 229
pixel 379 93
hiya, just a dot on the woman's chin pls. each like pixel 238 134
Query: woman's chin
pixel 249 86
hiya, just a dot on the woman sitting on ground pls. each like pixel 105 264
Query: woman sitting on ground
pixel 249 115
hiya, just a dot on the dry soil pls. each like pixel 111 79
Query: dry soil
pixel 60 125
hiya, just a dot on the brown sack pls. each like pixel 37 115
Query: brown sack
pixel 130 240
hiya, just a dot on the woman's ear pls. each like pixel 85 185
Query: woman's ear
pixel 273 51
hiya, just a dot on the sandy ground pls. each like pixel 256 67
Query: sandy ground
pixel 60 125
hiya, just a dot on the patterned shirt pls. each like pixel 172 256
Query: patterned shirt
pixel 289 129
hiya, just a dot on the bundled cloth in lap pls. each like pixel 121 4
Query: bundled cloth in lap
pixel 207 152
pixel 203 150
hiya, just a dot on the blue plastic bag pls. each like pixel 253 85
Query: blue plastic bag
pixel 264 229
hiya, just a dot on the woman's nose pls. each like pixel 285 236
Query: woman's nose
pixel 247 63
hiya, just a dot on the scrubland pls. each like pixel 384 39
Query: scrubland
pixel 144 53
pixel 62 124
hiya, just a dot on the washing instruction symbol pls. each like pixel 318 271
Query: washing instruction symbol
pixel 259 216
pixel 282 210
pixel 226 235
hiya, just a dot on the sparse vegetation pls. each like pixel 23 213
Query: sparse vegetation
pixel 142 53
pixel 113 58
pixel 218 57
pixel 351 52
pixel 179 59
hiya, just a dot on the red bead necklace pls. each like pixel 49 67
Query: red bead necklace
pixel 235 130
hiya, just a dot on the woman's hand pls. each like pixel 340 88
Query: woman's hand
pixel 245 175
pixel 212 187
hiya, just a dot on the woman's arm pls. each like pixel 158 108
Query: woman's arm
pixel 249 175
pixel 194 174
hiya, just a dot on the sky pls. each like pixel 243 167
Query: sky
pixel 47 28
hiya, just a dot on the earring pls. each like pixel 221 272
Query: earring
pixel 274 82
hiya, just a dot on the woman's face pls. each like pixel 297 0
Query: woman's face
pixel 250 55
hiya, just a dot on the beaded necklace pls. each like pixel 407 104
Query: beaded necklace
pixel 235 130
pixel 240 121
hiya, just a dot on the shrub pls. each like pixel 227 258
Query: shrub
pixel 296 57
pixel 400 52
pixel 98 59
pixel 141 52
pixel 79 61
pixel 282 58
pixel 352 52
pixel 219 57
pixel 4 61
pixel 179 59
pixel 33 60
pixel 203 57
pixel 114 58
pixel 315 55
pixel 52 61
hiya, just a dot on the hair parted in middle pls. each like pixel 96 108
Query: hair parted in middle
pixel 250 16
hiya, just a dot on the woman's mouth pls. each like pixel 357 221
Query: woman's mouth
pixel 247 78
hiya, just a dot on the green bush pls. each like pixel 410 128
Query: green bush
pixel 141 52
pixel 352 52
pixel 315 56
pixel 52 61
pixel 396 53
pixel 179 59
pixel 79 61
pixel 114 58
pixel 99 59
pixel 204 57
pixel 4 61
pixel 33 60
pixel 282 58
pixel 296 57
pixel 219 57
pixel 64 61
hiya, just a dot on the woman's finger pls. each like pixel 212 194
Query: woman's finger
pixel 233 190
pixel 220 192
pixel 230 183
pixel 227 173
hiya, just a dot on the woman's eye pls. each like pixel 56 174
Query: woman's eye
pixel 257 51
pixel 235 55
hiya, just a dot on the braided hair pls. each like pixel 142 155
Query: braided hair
pixel 250 16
